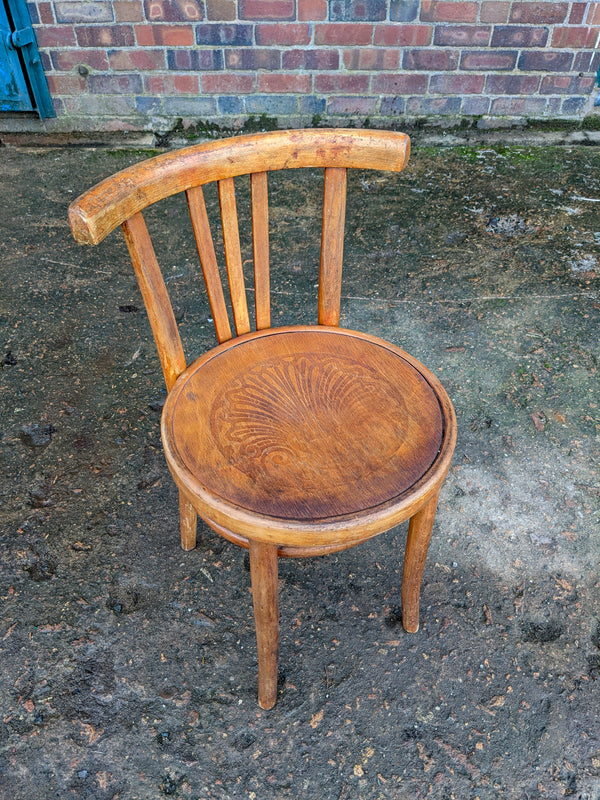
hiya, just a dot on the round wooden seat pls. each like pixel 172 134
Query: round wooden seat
pixel 310 437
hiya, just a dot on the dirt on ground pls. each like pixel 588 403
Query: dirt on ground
pixel 128 667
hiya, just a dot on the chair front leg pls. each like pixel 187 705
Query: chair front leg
pixel 263 573
pixel 188 520
pixel 417 542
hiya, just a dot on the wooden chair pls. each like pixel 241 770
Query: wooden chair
pixel 290 441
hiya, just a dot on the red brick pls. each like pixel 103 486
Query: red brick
pixel 593 15
pixel 169 35
pixel 310 59
pixel 66 84
pixel 221 10
pixel 283 84
pixel 519 36
pixel 312 10
pixel 267 9
pixel 282 34
pixel 251 58
pixel 399 84
pixel 574 37
pixel 128 11
pixel 146 60
pixel 539 13
pixel 461 35
pixel 371 58
pixel 173 11
pixel 512 84
pixel 430 59
pixel 124 83
pixel 515 106
pixel 443 11
pixel 55 36
pixel 403 35
pixel 456 84
pixel 66 60
pixel 228 84
pixel 115 36
pixel 334 82
pixel 345 33
pixel 494 11
pixel 488 60
pixel 46 13
pixel 577 13
pixel 566 84
pixel 352 105
pixel 171 84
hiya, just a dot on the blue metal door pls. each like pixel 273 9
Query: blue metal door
pixel 23 84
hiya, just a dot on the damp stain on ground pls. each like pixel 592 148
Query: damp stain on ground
pixel 129 666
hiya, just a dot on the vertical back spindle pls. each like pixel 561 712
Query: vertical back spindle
pixel 233 255
pixel 260 248
pixel 332 245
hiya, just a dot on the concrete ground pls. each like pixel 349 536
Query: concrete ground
pixel 128 667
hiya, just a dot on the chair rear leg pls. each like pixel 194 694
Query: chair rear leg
pixel 263 573
pixel 417 542
pixel 188 520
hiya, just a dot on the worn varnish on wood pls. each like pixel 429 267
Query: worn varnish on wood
pixel 291 441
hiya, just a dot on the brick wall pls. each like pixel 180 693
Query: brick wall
pixel 142 64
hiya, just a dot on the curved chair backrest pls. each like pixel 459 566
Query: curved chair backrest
pixel 120 200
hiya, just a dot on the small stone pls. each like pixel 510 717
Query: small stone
pixel 36 435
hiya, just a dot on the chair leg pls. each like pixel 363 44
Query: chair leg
pixel 188 520
pixel 417 542
pixel 263 573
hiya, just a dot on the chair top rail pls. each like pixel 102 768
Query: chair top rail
pixel 111 202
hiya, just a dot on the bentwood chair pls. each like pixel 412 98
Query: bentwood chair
pixel 289 441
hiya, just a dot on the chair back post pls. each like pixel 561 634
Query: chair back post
pixel 332 245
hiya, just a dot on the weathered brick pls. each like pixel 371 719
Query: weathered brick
pixel 253 58
pixel 277 34
pixel 461 35
pixel 34 16
pixel 512 84
pixel 577 37
pixel 494 11
pixel 168 35
pixel 545 61
pixel 433 105
pixel 593 15
pixel 111 105
pixel 84 11
pixel 222 10
pixel 577 13
pixel 311 104
pixel 66 60
pixel 446 11
pixel 149 105
pixel 66 84
pixel 404 10
pixel 456 84
pixel 587 62
pixel 143 60
pixel 344 33
pixel 371 58
pixel 196 60
pixel 115 84
pixel 223 83
pixel 488 60
pixel 312 10
pixel 519 36
pixel 399 84
pixel 190 106
pixel 352 105
pixel 310 59
pixel 430 59
pixel 115 36
pixel 56 36
pixel 267 9
pixel 46 13
pixel 539 13
pixel 220 33
pixel 128 11
pixel 357 10
pixel 403 35
pixel 173 10
pixel 392 106
pixel 518 106
pixel 230 104
pixel 333 83
pixel 475 105
pixel 271 104
pixel 282 83
pixel 566 84
pixel 574 106
pixel 171 84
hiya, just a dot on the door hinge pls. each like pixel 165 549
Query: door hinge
pixel 21 38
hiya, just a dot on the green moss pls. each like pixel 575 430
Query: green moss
pixel 256 124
